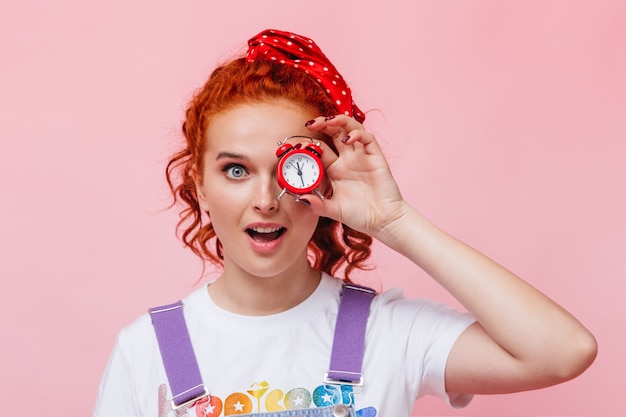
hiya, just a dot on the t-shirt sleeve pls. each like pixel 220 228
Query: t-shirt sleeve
pixel 115 396
pixel 429 330
pixel 446 325
pixel 133 373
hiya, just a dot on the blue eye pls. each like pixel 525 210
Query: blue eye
pixel 234 171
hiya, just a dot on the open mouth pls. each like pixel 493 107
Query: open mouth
pixel 265 234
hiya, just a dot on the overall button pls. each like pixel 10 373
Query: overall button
pixel 341 410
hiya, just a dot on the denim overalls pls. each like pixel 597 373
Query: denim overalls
pixel 186 383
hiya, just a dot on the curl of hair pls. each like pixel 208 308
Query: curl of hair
pixel 333 244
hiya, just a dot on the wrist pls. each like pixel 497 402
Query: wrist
pixel 392 231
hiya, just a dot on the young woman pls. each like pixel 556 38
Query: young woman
pixel 263 331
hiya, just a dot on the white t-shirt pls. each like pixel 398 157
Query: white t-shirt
pixel 277 362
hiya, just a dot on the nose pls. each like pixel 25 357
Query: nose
pixel 265 199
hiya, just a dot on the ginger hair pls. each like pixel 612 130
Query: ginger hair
pixel 333 244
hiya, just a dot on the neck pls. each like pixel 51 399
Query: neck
pixel 243 293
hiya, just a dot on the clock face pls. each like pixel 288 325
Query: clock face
pixel 299 172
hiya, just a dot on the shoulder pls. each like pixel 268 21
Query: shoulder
pixel 394 311
pixel 393 301
pixel 140 332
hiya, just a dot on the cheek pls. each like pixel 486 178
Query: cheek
pixel 221 202
pixel 224 217
pixel 226 198
pixel 306 220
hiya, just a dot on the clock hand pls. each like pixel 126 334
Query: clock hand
pixel 296 167
pixel 300 174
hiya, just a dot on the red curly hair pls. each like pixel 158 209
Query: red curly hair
pixel 333 244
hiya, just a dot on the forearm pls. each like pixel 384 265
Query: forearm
pixel 522 320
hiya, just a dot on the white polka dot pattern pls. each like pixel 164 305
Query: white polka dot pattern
pixel 302 53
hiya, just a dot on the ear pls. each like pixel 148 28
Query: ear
pixel 200 193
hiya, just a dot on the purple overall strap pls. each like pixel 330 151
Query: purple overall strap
pixel 177 354
pixel 349 343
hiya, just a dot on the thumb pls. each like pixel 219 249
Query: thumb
pixel 322 207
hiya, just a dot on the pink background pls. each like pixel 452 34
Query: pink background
pixel 505 123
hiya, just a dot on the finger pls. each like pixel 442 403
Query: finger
pixel 346 133
pixel 361 141
pixel 324 208
pixel 346 123
pixel 356 134
pixel 336 127
pixel 341 126
pixel 320 124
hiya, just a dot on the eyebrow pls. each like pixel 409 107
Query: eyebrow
pixel 231 155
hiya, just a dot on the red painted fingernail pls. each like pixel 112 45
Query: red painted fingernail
pixel 304 201
pixel 329 117
pixel 309 123
pixel 344 140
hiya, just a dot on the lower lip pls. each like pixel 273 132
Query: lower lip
pixel 266 247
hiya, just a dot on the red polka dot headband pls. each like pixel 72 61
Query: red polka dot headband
pixel 302 53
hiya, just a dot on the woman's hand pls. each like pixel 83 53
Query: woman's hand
pixel 364 194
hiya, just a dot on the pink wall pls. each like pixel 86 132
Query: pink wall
pixel 504 121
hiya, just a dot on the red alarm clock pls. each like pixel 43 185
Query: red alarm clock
pixel 300 170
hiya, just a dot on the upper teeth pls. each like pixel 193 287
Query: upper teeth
pixel 265 229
